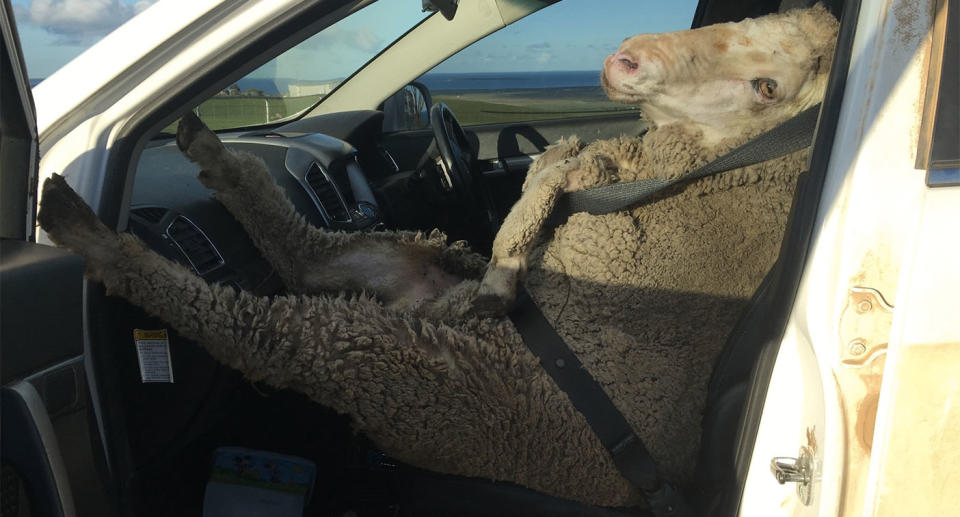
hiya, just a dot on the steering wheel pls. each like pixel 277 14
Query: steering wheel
pixel 456 153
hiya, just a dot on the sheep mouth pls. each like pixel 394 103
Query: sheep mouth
pixel 617 93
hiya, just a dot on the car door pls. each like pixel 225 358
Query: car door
pixel 45 449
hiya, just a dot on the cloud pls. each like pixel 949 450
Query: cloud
pixel 544 57
pixel 77 22
pixel 360 38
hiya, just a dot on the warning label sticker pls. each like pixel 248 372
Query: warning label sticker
pixel 153 351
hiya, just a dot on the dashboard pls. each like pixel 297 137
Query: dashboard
pixel 325 177
pixel 339 174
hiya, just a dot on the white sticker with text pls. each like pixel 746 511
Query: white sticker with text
pixel 153 351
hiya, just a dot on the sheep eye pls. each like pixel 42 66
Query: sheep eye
pixel 767 88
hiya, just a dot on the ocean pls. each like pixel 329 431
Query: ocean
pixel 510 80
pixel 438 82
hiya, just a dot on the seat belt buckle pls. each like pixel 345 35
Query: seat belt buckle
pixel 666 501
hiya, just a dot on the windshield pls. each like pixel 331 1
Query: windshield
pixel 300 77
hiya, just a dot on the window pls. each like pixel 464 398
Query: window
pixel 297 79
pixel 940 130
pixel 547 65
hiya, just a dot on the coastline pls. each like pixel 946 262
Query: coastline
pixel 584 93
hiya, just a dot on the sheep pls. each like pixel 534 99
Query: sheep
pixel 645 297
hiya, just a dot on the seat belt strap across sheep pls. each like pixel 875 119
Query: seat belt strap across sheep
pixel 790 136
pixel 629 454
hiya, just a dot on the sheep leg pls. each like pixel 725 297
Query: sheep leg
pixel 564 149
pixel 243 185
pixel 429 395
pixel 404 269
pixel 516 237
pixel 286 341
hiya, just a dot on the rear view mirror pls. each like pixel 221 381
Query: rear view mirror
pixel 448 8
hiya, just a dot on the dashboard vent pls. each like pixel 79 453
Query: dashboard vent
pixel 327 195
pixel 149 214
pixel 195 246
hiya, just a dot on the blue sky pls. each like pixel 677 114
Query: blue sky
pixel 52 32
pixel 571 35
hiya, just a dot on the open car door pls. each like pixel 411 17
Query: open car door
pixel 45 437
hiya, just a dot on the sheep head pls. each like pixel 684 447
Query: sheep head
pixel 726 79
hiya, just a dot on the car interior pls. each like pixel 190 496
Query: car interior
pixel 354 171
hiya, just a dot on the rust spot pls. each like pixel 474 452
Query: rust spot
pixel 866 420
pixel 867 412
pixel 907 14
pixel 812 439
pixel 878 268
pixel 859 395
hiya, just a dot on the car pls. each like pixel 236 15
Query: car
pixel 837 385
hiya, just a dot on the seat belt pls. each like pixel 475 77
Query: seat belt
pixel 629 454
pixel 788 137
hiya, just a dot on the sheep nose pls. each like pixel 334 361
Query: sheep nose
pixel 626 62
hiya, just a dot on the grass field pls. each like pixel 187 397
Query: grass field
pixel 223 112
pixel 470 107
pixel 479 108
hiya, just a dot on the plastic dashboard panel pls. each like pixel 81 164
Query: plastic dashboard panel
pixel 168 198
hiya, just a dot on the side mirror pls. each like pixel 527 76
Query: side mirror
pixel 409 108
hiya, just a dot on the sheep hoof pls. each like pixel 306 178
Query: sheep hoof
pixel 188 130
pixel 65 216
pixel 498 289
pixel 198 142
pixel 203 147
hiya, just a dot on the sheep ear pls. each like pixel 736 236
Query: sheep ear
pixel 819 28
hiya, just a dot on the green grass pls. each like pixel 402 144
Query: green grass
pixel 470 108
pixel 473 109
pixel 231 112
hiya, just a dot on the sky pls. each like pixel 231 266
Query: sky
pixel 52 32
pixel 571 35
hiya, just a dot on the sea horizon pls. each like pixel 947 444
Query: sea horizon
pixel 449 81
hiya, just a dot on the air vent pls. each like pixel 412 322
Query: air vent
pixel 327 195
pixel 194 245
pixel 149 214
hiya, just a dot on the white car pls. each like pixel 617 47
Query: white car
pixel 837 388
